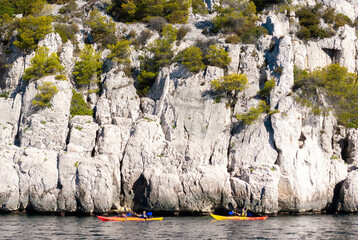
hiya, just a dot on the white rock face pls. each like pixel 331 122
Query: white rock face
pixel 179 148
pixel 38 177
pixel 348 193
pixel 46 128
pixel 9 182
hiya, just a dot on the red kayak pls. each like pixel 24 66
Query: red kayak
pixel 123 219
pixel 218 217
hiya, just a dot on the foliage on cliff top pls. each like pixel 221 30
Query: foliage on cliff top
pixel 192 58
pixel 31 30
pixel 309 18
pixel 24 7
pixel 43 64
pixel 217 56
pixel 230 85
pixel 46 93
pixel 103 31
pixel 162 55
pixel 143 10
pixel 330 88
pixel 79 105
pixel 120 51
pixel 238 17
pixel 88 68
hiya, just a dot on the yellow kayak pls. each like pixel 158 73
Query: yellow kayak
pixel 122 219
pixel 218 217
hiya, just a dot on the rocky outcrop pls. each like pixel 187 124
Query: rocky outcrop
pixel 180 148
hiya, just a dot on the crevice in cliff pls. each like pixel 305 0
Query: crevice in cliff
pixel 334 205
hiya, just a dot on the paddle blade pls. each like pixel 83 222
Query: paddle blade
pixel 129 214
pixel 231 213
pixel 149 214
pixel 249 215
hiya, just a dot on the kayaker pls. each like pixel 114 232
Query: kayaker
pixel 143 215
pixel 243 212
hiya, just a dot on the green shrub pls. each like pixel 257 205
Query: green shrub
pixel 67 32
pixel 332 87
pixel 199 7
pixel 4 95
pixel 264 93
pixel 230 85
pixel 237 17
pixel 173 11
pixel 79 105
pixel 61 77
pixel 162 54
pixel 103 32
pixel 192 58
pixel 120 52
pixel 88 68
pixel 31 30
pixel 162 47
pixel 68 8
pixel 43 64
pixel 217 56
pixel 253 35
pixel 46 92
pixel 309 18
pixel 254 113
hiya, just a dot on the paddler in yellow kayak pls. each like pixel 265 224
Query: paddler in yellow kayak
pixel 143 215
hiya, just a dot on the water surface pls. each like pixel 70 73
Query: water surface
pixel 282 227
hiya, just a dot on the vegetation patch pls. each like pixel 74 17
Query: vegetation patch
pixel 161 55
pixel 238 17
pixel 120 51
pixel 79 105
pixel 192 58
pixel 254 113
pixel 230 85
pixel 31 30
pixel 174 11
pixel 331 88
pixel 88 68
pixel 67 32
pixel 43 64
pixel 46 93
pixel 103 31
pixel 309 18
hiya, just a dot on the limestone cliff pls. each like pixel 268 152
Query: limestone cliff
pixel 177 149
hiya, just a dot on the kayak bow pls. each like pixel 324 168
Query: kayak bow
pixel 118 219
pixel 218 217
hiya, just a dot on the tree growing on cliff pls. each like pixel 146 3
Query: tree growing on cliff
pixel 43 64
pixel 46 93
pixel 88 68
pixel 217 56
pixel 192 58
pixel 230 85
pixel 31 30
pixel 79 105
pixel 120 51
pixel 332 87
pixel 103 31
pixel 143 10
pixel 162 54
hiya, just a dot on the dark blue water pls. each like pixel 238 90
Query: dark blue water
pixel 282 227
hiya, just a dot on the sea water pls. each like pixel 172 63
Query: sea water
pixel 281 227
